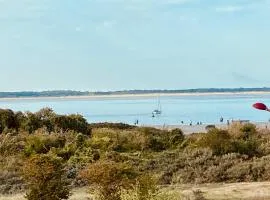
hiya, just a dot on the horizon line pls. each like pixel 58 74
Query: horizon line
pixel 137 90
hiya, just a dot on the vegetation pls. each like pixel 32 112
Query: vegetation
pixel 46 178
pixel 66 93
pixel 109 177
pixel 46 153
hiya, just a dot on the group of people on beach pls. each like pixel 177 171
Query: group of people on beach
pixel 191 123
pixel 221 120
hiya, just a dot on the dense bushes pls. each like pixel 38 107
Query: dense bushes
pixel 244 141
pixel 72 122
pixel 42 143
pixel 7 120
pixel 217 140
pixel 119 126
pixel 45 118
pixel 109 177
pixel 140 139
pixel 46 178
pixel 117 158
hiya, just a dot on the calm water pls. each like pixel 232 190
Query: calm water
pixel 175 109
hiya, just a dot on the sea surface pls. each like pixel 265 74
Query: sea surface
pixel 207 109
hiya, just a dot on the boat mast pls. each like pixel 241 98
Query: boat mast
pixel 159 105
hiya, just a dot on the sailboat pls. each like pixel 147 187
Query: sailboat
pixel 158 110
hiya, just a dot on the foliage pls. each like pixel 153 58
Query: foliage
pixel 42 143
pixel 177 136
pixel 109 177
pixel 146 188
pixel 46 178
pixel 7 120
pixel 119 126
pixel 209 127
pixel 217 140
pixel 72 122
pixel 101 155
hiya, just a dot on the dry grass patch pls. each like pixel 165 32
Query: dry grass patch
pixel 234 191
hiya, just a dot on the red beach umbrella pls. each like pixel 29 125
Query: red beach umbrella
pixel 260 106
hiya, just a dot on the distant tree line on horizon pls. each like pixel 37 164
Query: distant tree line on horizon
pixel 64 93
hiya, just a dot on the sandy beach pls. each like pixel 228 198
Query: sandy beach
pixel 134 96
pixel 187 129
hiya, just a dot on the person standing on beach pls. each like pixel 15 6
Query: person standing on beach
pixel 221 119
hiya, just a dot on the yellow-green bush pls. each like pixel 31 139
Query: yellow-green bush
pixel 46 178
pixel 41 143
pixel 11 144
pixel 218 141
pixel 109 178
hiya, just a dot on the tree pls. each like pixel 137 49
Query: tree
pixel 32 122
pixel 7 119
pixel 46 116
pixel 73 122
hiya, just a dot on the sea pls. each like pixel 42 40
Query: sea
pixel 176 109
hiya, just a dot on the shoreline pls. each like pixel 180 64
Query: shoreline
pixel 133 96
pixel 187 129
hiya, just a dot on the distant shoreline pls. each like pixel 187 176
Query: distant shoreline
pixel 187 129
pixel 130 96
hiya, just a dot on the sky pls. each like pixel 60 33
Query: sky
pixel 100 45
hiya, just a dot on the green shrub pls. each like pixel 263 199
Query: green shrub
pixel 209 127
pixel 218 141
pixel 155 139
pixel 120 126
pixel 248 130
pixel 176 137
pixel 31 123
pixel 66 152
pixel 73 122
pixel 84 156
pixel 250 147
pixel 42 144
pixel 46 178
pixel 146 187
pixel 11 144
pixel 7 120
pixel 133 194
pixel 118 140
pixel 242 131
pixel 109 177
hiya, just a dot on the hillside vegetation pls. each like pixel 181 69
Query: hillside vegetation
pixel 45 155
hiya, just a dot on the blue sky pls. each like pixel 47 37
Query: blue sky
pixel 133 44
